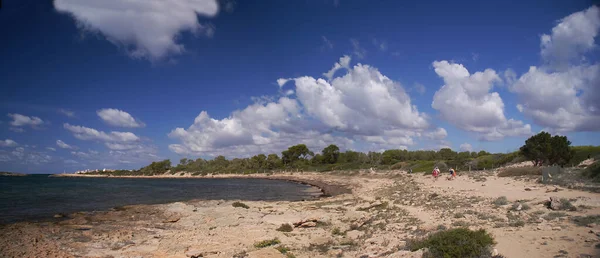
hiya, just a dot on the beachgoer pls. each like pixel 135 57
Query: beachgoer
pixel 436 173
pixel 452 174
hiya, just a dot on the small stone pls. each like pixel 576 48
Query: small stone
pixel 520 207
pixel 172 220
pixel 556 228
pixel 538 228
pixel 495 252
pixel 413 228
pixel 554 203
pixel 590 240
pixel 335 252
pixel 544 243
pixel 547 237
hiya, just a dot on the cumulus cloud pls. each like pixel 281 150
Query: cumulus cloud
pixel 465 101
pixel 438 134
pixel 466 147
pixel 343 63
pixel 86 133
pixel 63 145
pixel 8 143
pixel 116 117
pixel 145 28
pixel 563 93
pixel 21 120
pixel 362 105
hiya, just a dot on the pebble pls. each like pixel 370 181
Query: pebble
pixel 557 228
pixel 547 237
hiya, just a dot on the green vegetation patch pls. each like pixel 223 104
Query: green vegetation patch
pixel 554 215
pixel 586 220
pixel 266 243
pixel 285 228
pixel 459 242
pixel 500 201
pixel 520 171
pixel 240 205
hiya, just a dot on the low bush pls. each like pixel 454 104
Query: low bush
pixel 566 205
pixel 554 215
pixel 285 228
pixel 240 205
pixel 268 242
pixel 282 249
pixel 500 201
pixel 593 171
pixel 520 171
pixel 587 220
pixel 524 206
pixel 459 242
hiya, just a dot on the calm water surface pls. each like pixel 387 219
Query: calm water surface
pixel 37 197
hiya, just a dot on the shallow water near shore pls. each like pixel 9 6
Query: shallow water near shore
pixel 38 197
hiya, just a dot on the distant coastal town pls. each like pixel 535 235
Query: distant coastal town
pixel 88 171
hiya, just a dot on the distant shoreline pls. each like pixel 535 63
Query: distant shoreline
pixel 327 189
pixel 12 174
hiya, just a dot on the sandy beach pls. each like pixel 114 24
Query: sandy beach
pixel 360 215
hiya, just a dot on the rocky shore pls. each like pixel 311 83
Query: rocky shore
pixel 365 215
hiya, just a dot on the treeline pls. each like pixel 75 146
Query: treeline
pixel 542 149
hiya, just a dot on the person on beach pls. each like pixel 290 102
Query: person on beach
pixel 452 174
pixel 436 173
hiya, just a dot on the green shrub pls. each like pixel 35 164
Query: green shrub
pixel 554 215
pixel 520 171
pixel 517 223
pixel 240 204
pixel 336 231
pixel 500 201
pixel 459 242
pixel 282 249
pixel 285 228
pixel 593 171
pixel 587 220
pixel 566 205
pixel 268 242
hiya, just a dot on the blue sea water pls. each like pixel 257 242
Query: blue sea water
pixel 37 197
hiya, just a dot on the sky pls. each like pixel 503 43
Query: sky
pixel 116 84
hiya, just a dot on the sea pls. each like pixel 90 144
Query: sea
pixel 40 197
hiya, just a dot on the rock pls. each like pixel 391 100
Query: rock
pixel 172 220
pixel 335 252
pixel 547 237
pixel 590 240
pixel 556 228
pixel 520 207
pixel 538 228
pixel 347 203
pixel 194 253
pixel 354 234
pixel 527 189
pixel 414 228
pixel 495 252
pixel 309 224
pixel 320 240
pixel 265 253
pixel 554 203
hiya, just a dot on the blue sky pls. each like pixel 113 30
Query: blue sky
pixel 89 84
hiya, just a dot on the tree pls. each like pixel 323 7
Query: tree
pixel 482 153
pixel 543 148
pixel 273 161
pixel 447 153
pixel 331 154
pixel 295 153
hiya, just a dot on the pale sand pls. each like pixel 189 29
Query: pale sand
pixel 216 229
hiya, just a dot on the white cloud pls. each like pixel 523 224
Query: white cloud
pixel 362 105
pixel 8 143
pixel 116 117
pixel 357 50
pixel 145 28
pixel 438 134
pixel 66 112
pixel 86 133
pixel 564 94
pixel 24 156
pixel 571 38
pixel 380 44
pixel 282 81
pixel 466 147
pixel 21 120
pixel 63 145
pixel 50 149
pixel 343 63
pixel 466 102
